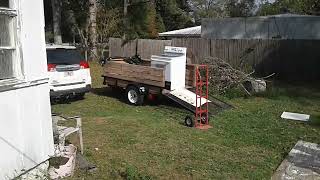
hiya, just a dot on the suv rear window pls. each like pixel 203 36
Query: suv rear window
pixel 64 56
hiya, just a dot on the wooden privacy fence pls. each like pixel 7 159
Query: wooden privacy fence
pixel 148 47
pixel 144 47
pixel 235 52
pixel 290 59
pixel 119 48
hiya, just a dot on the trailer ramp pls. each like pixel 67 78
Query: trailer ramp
pixel 185 98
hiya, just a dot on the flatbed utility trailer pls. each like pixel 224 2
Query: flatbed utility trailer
pixel 121 74
pixel 163 75
pixel 118 73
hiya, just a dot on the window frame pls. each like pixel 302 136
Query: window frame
pixel 18 77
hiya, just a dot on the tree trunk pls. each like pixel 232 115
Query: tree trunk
pixel 93 28
pixel 56 12
pixel 125 18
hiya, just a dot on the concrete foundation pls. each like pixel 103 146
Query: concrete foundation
pixel 38 173
pixel 303 162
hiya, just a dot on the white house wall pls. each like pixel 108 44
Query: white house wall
pixel 33 39
pixel 26 138
pixel 25 130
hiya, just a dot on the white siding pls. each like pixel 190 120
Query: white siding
pixel 25 115
pixel 25 130
pixel 33 39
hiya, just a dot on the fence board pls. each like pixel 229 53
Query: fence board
pixel 197 48
pixel 148 47
pixel 117 48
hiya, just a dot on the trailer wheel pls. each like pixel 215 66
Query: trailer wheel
pixel 134 96
pixel 189 121
pixel 204 120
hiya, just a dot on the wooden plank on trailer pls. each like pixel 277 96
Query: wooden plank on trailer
pixel 190 75
pixel 122 83
pixel 140 77
pixel 145 73
pixel 135 73
pixel 111 81
pixel 136 80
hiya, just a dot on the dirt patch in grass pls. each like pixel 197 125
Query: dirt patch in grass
pixel 100 120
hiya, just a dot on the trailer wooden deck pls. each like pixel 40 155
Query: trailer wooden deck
pixel 120 73
pixel 135 73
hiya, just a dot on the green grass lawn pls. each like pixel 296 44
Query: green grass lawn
pixel 151 142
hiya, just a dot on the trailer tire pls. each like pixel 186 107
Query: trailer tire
pixel 189 121
pixel 134 96
pixel 204 120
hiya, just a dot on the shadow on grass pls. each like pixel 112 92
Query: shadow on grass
pixel 111 93
pixel 66 100
pixel 315 120
pixel 119 94
pixel 160 102
pixel 298 90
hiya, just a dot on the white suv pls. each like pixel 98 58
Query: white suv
pixel 69 73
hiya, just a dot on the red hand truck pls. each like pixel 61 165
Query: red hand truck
pixel 201 117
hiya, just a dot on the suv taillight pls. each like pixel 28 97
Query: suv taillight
pixel 84 65
pixel 51 67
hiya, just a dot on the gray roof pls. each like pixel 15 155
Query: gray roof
pixel 291 15
pixel 187 32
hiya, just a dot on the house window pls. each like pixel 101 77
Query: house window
pixel 8 60
pixel 4 3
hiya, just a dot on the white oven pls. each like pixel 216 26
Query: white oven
pixel 173 60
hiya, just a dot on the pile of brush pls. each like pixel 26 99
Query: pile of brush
pixel 224 77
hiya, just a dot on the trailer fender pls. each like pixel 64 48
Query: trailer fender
pixel 143 89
